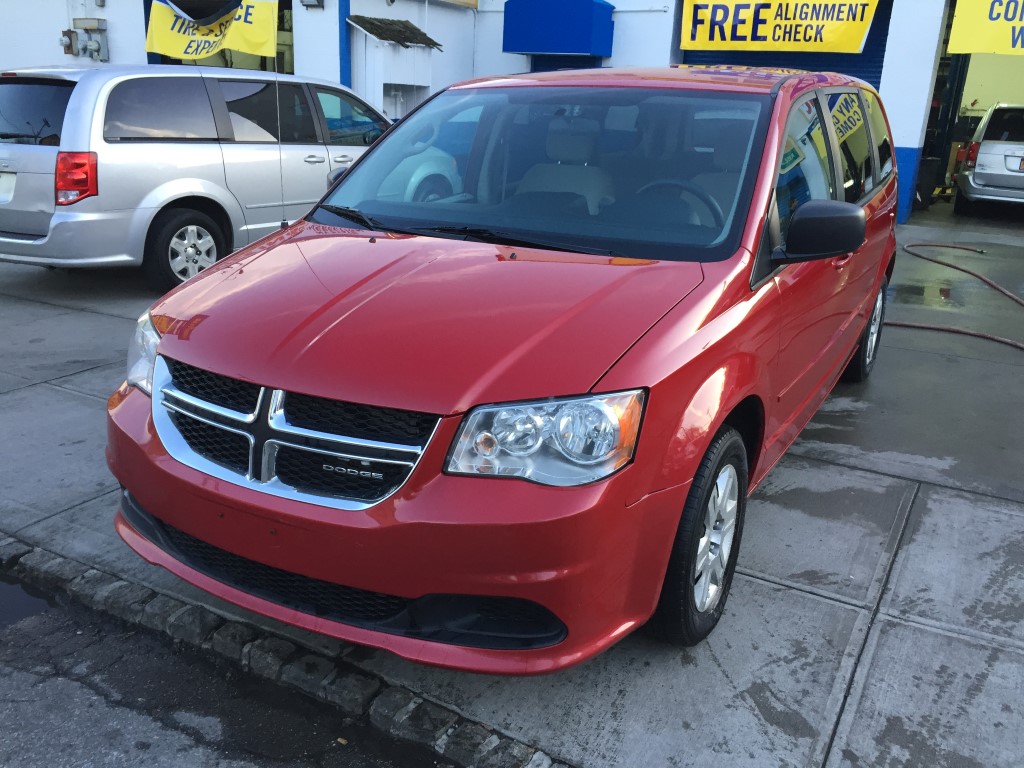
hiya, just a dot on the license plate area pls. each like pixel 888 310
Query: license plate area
pixel 7 186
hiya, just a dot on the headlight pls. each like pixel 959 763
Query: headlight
pixel 142 355
pixel 552 442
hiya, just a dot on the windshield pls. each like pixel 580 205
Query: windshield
pixel 647 173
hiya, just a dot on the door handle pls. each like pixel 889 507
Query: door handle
pixel 313 159
pixel 342 159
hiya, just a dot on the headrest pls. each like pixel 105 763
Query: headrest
pixel 729 141
pixel 572 140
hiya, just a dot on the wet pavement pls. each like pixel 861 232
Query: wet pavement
pixel 79 689
pixel 18 601
pixel 877 618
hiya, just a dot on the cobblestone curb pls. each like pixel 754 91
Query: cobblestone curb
pixel 394 710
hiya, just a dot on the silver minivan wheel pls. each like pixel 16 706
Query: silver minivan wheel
pixel 191 250
pixel 182 242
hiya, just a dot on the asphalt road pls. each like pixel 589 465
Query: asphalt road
pixel 78 689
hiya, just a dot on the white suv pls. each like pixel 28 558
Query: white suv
pixel 170 167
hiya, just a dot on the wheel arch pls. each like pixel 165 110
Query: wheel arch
pixel 206 205
pixel 730 394
pixel 747 417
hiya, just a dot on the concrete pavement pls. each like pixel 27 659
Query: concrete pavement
pixel 877 618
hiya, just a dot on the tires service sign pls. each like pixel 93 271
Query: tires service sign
pixel 249 26
pixel 777 25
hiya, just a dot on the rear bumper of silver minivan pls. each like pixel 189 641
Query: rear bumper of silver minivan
pixel 77 239
pixel 974 191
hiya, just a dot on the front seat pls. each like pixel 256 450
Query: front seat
pixel 729 143
pixel 571 144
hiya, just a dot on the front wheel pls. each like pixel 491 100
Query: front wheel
pixel 707 543
pixel 863 360
pixel 182 242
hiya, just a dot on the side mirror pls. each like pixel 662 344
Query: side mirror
pixel 372 135
pixel 822 229
pixel 334 175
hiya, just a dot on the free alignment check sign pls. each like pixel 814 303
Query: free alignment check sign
pixel 777 25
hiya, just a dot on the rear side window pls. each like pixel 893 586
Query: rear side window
pixel 855 154
pixel 1006 125
pixel 879 133
pixel 159 109
pixel 253 110
pixel 32 110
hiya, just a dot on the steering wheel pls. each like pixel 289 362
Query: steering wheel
pixel 688 186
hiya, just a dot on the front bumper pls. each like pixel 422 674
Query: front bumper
pixel 579 555
pixel 974 191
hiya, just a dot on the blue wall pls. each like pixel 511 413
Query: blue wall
pixel 907 161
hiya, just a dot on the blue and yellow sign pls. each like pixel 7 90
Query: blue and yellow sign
pixel 777 25
pixel 249 26
pixel 988 26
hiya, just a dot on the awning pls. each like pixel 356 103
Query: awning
pixel 566 27
pixel 404 33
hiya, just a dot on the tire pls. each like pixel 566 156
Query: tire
pixel 181 243
pixel 964 207
pixel 693 598
pixel 431 189
pixel 863 360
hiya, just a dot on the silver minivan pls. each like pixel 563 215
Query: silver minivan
pixel 993 168
pixel 170 167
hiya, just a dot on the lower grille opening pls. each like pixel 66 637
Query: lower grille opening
pixel 498 623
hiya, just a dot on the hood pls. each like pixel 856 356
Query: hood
pixel 419 323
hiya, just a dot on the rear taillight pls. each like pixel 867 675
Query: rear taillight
pixel 75 177
pixel 972 154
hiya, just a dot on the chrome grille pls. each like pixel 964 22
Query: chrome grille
pixel 354 420
pixel 326 452
pixel 236 395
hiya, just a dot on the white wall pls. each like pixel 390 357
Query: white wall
pixel 490 28
pixel 34 28
pixel 315 37
pixel 911 61
pixel 643 33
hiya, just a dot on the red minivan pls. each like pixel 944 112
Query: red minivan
pixel 500 428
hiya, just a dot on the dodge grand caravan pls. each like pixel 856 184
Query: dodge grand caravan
pixel 502 428
pixel 170 167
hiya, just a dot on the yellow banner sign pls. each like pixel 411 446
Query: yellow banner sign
pixel 776 25
pixel 249 26
pixel 988 26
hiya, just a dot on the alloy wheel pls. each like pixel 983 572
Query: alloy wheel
pixel 876 326
pixel 191 250
pixel 715 544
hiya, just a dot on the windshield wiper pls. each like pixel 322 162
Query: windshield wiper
pixel 354 214
pixel 501 237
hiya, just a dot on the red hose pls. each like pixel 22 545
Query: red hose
pixel 964 331
pixel 972 273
